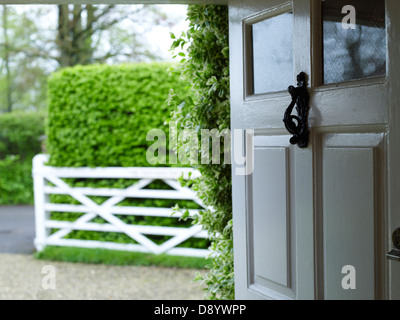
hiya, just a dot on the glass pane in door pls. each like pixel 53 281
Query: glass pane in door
pixel 272 43
pixel 354 39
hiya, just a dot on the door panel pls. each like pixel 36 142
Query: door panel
pixel 348 208
pixel 279 220
pixel 270 215
pixel 271 261
pixel 348 104
pixel 352 207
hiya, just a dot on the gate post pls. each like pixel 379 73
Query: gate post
pixel 40 200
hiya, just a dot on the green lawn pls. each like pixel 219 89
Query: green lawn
pixel 119 258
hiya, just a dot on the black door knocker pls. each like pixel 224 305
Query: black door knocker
pixel 298 125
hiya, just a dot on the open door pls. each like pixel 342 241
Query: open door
pixel 316 221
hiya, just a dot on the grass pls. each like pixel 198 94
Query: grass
pixel 119 258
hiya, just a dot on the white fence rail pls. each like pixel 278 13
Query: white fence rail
pixel 49 180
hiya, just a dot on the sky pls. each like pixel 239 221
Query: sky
pixel 161 36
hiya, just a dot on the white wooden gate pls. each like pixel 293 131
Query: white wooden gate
pixel 43 175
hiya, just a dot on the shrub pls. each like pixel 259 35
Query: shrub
pixel 99 116
pixel 19 141
pixel 20 134
pixel 16 185
pixel 206 67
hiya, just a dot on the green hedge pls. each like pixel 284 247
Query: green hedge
pixel 16 184
pixel 206 68
pixel 99 116
pixel 20 135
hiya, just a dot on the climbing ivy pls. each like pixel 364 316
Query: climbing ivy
pixel 205 65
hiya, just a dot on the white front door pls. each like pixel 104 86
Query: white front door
pixel 316 222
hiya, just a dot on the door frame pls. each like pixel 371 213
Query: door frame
pixel 393 18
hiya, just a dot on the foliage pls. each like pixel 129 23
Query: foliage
pixel 24 72
pixel 99 116
pixel 20 133
pixel 118 258
pixel 16 185
pixel 206 67
pixel 39 39
pixel 19 142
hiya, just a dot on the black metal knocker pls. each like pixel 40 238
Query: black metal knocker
pixel 298 125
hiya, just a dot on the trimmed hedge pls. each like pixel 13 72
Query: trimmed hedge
pixel 100 115
pixel 19 141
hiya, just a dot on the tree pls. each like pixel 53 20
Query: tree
pixel 6 59
pixel 37 40
pixel 22 73
pixel 74 38
pixel 82 28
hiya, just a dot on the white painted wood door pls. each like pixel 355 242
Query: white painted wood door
pixel 305 214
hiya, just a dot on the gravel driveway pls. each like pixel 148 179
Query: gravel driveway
pixel 21 278
pixel 21 275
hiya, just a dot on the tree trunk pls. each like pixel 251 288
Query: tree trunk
pixel 87 50
pixel 63 37
pixel 74 39
pixel 6 58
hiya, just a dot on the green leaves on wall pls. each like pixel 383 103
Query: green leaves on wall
pixel 206 67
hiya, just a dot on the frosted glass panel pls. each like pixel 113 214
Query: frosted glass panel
pixel 351 54
pixel 273 54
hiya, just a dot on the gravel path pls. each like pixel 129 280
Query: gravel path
pixel 21 278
